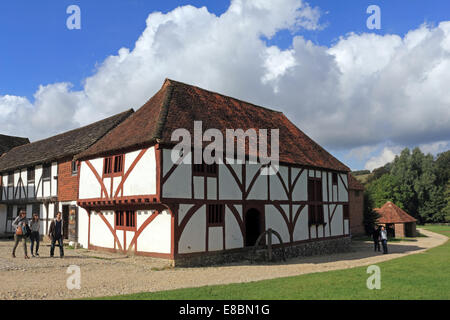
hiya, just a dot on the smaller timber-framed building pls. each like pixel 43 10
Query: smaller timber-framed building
pixel 42 177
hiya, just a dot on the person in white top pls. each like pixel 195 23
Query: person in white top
pixel 383 236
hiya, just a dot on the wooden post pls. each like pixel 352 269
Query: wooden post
pixel 269 244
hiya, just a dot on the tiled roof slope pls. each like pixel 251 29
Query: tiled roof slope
pixel 353 183
pixel 390 213
pixel 9 142
pixel 177 105
pixel 60 146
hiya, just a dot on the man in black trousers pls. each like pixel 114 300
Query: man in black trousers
pixel 56 234
pixel 376 239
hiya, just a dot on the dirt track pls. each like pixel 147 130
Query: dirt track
pixel 105 274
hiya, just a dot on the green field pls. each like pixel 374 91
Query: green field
pixel 418 276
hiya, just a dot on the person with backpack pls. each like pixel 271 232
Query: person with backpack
pixel 20 224
pixel 56 234
pixel 35 225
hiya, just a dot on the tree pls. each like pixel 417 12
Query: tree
pixel 370 217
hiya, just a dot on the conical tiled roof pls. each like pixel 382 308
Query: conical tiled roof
pixel 390 213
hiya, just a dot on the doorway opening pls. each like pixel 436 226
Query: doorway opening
pixel 253 226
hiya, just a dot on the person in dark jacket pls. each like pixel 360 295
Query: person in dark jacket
pixel 18 224
pixel 56 234
pixel 384 238
pixel 35 225
pixel 376 239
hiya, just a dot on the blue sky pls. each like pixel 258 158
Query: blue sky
pixel 37 48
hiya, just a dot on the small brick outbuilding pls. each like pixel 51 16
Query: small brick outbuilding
pixel 356 204
pixel 398 223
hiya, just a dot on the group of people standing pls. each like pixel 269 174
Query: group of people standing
pixel 380 235
pixel 25 229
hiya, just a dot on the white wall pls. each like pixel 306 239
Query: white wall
pixel 193 237
pixel 156 237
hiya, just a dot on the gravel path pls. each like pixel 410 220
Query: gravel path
pixel 106 274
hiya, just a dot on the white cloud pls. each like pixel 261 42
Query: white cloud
pixel 387 155
pixel 360 92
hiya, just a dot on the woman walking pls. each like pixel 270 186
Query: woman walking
pixel 20 224
pixel 35 225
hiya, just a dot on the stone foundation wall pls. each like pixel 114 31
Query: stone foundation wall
pixel 319 247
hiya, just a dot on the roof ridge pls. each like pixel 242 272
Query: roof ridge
pixel 75 129
pixel 223 95
pixel 164 112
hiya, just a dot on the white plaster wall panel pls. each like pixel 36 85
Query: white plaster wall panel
pixel 83 227
pixel 141 216
pixel 178 185
pixel 318 174
pixel 156 237
pixel 320 231
pixel 229 189
pixel 301 226
pixel 167 161
pixel 313 232
pixel 239 210
pixel 215 239
pixel 4 186
pixel 199 187
pixel 324 187
pixel 277 191
pixel 89 187
pixel 346 226
pixel 107 183
pixel 336 222
pixel 275 220
pixel 300 192
pixel 330 187
pixel 51 211
pixel 100 234
pixel 120 241
pixel 54 182
pixel 23 187
pixel 311 173
pixel 193 237
pixel 129 159
pixel 343 195
pixel 183 209
pixel 325 219
pixel 129 239
pixel 142 180
pixel 233 234
pixel 2 218
pixel 116 183
pixel 212 188
pixel 29 209
pixel 284 173
pixel 259 189
pixel 344 178
pixel 335 194
pixel 250 171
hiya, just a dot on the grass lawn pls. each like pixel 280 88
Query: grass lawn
pixel 418 276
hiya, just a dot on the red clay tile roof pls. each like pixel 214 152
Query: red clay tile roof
pixel 353 183
pixel 63 145
pixel 177 105
pixel 390 213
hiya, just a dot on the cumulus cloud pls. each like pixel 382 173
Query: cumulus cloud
pixel 358 93
pixel 386 155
